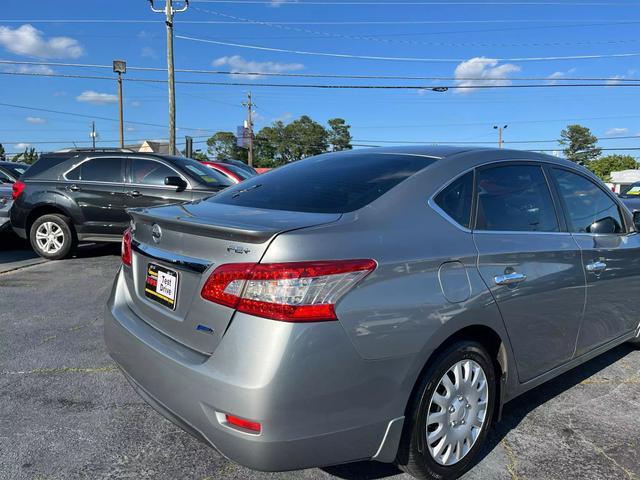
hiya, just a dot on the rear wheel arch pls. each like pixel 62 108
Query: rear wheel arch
pixel 491 341
pixel 47 209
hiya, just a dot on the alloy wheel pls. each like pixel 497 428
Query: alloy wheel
pixel 50 237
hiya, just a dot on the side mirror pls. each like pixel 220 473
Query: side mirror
pixel 604 225
pixel 636 219
pixel 177 182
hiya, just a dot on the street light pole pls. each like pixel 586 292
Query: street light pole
pixel 120 67
pixel 169 12
pixel 500 134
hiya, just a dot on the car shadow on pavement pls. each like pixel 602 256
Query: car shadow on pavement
pixel 90 250
pixel 513 413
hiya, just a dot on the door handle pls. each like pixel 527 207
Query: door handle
pixel 510 278
pixel 596 267
pixel 134 194
pixel 73 188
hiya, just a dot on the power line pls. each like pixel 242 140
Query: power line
pixel 363 22
pixel 405 59
pixel 385 40
pixel 305 3
pixel 91 117
pixel 314 75
pixel 435 88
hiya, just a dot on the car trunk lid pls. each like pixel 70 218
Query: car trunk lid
pixel 187 242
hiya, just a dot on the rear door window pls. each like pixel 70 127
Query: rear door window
pixel 514 198
pixel 330 183
pixel 103 169
pixel 588 208
pixel 456 199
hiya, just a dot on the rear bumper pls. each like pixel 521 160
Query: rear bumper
pixel 318 402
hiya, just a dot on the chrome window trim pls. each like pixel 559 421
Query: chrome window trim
pixel 432 202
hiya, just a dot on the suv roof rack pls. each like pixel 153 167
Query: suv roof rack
pixel 98 150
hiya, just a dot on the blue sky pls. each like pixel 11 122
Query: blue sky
pixel 475 36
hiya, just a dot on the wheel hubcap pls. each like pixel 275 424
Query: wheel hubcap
pixel 457 412
pixel 49 237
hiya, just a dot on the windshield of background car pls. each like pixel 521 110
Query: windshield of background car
pixel 331 183
pixel 206 175
pixel 16 170
pixel 632 192
pixel 240 172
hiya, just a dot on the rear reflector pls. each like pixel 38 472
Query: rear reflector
pixel 126 248
pixel 289 292
pixel 242 423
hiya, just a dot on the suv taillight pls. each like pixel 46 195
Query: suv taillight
pixel 16 189
pixel 126 247
pixel 289 292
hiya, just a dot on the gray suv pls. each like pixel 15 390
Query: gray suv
pixel 374 304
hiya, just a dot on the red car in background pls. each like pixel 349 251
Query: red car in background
pixel 235 170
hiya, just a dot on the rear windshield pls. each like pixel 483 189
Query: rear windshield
pixel 330 183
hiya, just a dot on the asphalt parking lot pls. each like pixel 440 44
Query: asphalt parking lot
pixel 66 412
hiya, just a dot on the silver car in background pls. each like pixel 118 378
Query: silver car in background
pixel 375 304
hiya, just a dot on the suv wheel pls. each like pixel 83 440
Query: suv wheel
pixel 51 236
pixel 450 415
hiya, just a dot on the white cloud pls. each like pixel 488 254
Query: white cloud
pixel 36 120
pixel 239 65
pixel 42 69
pixel 487 70
pixel 616 80
pixel 130 128
pixel 555 76
pixel 615 132
pixel 28 40
pixel 277 3
pixel 148 52
pixel 284 117
pixel 21 146
pixel 96 98
pixel 136 104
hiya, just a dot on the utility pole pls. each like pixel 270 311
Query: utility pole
pixel 500 134
pixel 249 104
pixel 169 12
pixel 93 134
pixel 120 67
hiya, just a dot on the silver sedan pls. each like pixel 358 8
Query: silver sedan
pixel 375 304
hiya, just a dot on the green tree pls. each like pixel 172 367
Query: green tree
pixel 29 156
pixel 224 145
pixel 580 144
pixel 339 135
pixel 306 138
pixel 603 166
pixel 3 155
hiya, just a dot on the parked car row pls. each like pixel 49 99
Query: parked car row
pixel 82 195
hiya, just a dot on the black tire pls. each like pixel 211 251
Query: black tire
pixel 65 233
pixel 413 455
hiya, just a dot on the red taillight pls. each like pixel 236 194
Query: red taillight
pixel 290 292
pixel 126 248
pixel 242 423
pixel 16 189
